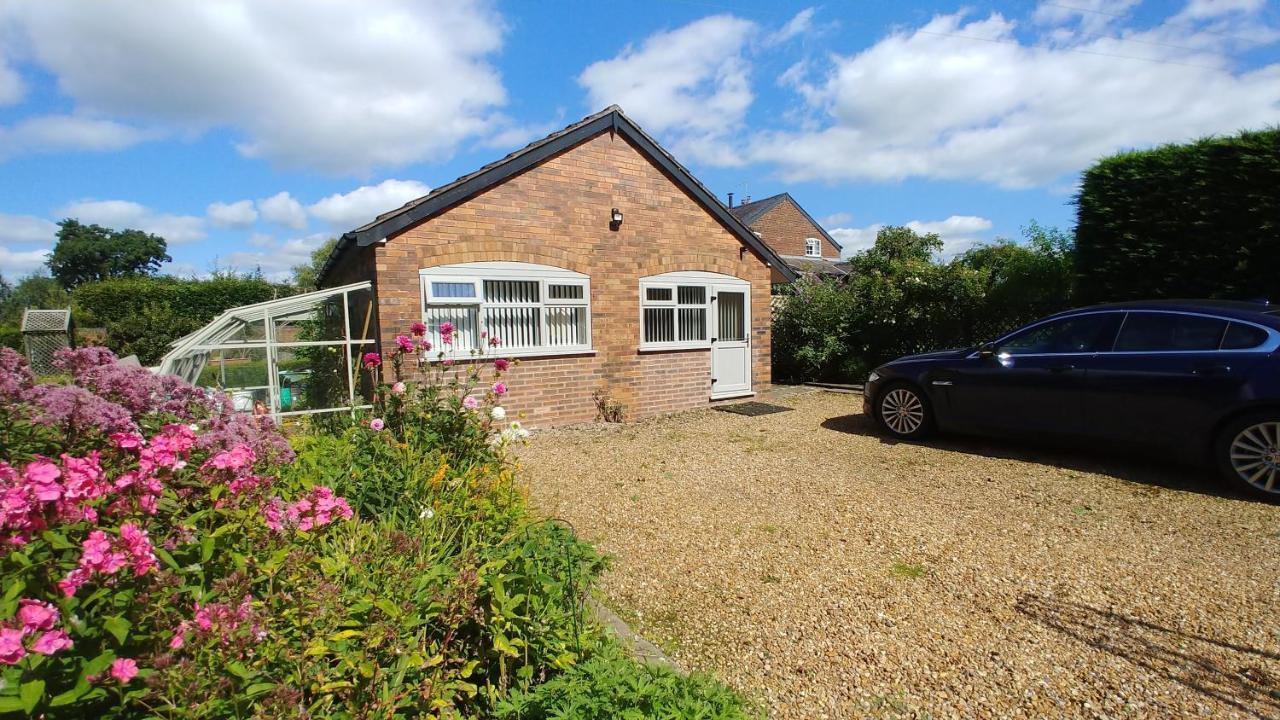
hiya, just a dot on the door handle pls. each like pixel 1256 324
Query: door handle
pixel 1211 369
pixel 1066 367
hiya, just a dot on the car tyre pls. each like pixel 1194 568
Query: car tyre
pixel 1247 452
pixel 903 411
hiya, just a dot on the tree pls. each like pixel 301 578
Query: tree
pixel 35 291
pixel 86 253
pixel 306 275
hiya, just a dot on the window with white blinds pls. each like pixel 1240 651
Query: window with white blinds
pixel 534 309
pixel 673 315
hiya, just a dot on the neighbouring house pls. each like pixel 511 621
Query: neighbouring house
pixel 793 234
pixel 596 258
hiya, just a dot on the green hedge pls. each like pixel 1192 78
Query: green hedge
pixel 143 315
pixel 1194 220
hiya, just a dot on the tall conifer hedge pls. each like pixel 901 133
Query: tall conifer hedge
pixel 1194 220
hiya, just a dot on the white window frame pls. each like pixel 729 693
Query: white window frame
pixel 478 273
pixel 674 280
pixel 812 247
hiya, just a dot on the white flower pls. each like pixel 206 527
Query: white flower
pixel 193 427
pixel 498 413
pixel 426 514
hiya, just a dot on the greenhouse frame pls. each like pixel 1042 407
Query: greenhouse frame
pixel 296 355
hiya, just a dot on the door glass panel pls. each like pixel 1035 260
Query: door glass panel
pixel 733 326
pixel 1080 334
pixel 1156 332
pixel 1243 337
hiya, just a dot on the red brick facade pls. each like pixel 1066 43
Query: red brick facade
pixel 785 228
pixel 557 213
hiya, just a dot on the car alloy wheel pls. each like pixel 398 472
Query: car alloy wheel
pixel 902 411
pixel 1255 456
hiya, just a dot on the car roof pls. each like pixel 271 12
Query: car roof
pixel 1259 312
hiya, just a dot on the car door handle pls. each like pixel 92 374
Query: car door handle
pixel 1065 367
pixel 1211 369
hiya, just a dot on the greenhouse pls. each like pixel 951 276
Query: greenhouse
pixel 295 355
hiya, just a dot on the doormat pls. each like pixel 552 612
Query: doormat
pixel 752 409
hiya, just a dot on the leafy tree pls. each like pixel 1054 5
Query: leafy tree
pixel 86 253
pixel 1023 280
pixel 306 275
pixel 37 291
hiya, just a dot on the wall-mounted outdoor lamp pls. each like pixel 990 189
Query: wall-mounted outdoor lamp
pixel 615 219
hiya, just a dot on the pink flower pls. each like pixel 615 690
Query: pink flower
pixel 494 341
pixel 11 649
pixel 446 328
pixel 499 388
pixel 127 440
pixel 372 360
pixel 124 670
pixel 36 615
pixel 377 424
pixel 42 476
pixel 51 642
pixel 176 642
pixel 425 346
pixel 417 329
pixel 273 514
pixel 138 545
pixel 501 364
pixel 398 388
pixel 405 343
pixel 470 402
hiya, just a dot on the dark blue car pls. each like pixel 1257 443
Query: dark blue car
pixel 1196 380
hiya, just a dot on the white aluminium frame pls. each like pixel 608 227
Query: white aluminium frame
pixel 545 275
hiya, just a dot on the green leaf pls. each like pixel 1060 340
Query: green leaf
pixel 239 670
pixel 57 541
pixel 15 589
pixel 71 695
pixel 31 692
pixel 98 664
pixel 206 548
pixel 168 559
pixel 118 627
pixel 257 689
pixel 11 704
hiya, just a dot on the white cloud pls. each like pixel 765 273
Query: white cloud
pixel 232 215
pixel 957 100
pixel 11 86
pixel 282 209
pixel 958 233
pixel 24 262
pixel 1202 9
pixel 350 210
pixel 127 215
pixel 55 133
pixel 26 229
pixel 276 260
pixel 800 24
pixel 338 87
pixel 834 219
pixel 1092 15
pixel 691 83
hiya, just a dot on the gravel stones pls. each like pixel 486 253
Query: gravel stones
pixel 830 573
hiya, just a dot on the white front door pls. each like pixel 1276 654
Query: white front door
pixel 731 342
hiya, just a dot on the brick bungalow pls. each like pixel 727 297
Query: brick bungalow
pixel 793 234
pixel 596 258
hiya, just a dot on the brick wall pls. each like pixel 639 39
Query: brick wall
pixel 784 228
pixel 558 214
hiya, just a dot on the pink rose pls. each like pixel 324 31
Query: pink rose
pixel 376 424
pixel 470 402
pixel 51 642
pixel 124 670
pixel 398 388
pixel 446 328
pixel 418 329
pixel 501 364
pixel 499 388
pixel 372 360
pixel 36 615
pixel 406 345
pixel 11 650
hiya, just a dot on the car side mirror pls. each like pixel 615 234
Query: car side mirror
pixel 986 351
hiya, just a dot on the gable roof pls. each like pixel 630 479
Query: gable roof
pixel 611 119
pixel 750 212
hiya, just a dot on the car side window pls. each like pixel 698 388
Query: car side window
pixel 1080 334
pixel 1169 332
pixel 1243 337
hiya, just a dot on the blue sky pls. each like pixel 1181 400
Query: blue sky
pixel 247 132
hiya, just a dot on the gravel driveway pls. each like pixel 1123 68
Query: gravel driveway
pixel 831 574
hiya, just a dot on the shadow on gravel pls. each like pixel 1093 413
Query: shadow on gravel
pixel 1154 473
pixel 1232 674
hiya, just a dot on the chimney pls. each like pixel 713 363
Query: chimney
pixel 730 199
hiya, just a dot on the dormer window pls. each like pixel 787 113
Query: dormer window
pixel 813 247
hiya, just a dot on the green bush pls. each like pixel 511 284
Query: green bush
pixel 1192 220
pixel 898 300
pixel 144 315
pixel 11 337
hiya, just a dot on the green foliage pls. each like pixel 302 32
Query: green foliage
pixel 34 291
pixel 144 315
pixel 306 274
pixel 1193 220
pixel 898 301
pixel 87 253
pixel 611 686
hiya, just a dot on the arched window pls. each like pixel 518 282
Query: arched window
pixel 530 309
